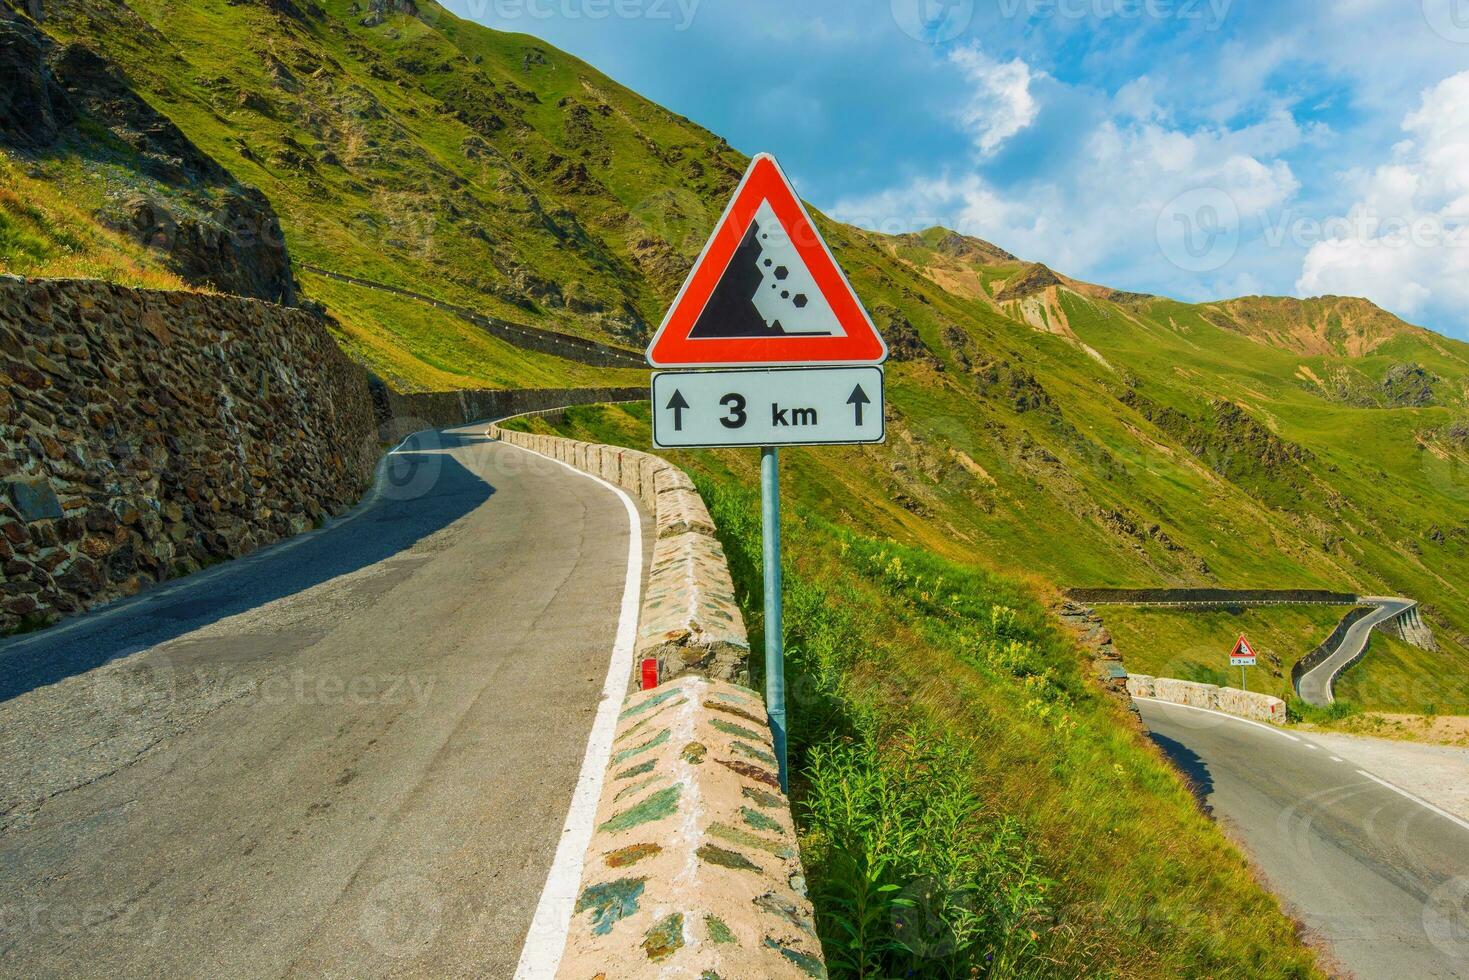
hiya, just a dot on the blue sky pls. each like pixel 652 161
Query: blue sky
pixel 1194 148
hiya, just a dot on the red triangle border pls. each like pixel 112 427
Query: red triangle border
pixel 673 347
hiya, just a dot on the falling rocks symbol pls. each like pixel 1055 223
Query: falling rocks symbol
pixel 766 291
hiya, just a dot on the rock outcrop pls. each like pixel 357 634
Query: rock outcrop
pixel 214 231
pixel 33 106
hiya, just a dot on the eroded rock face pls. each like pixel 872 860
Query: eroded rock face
pixel 34 108
pixel 145 434
pixel 213 230
pixel 238 249
pixel 226 235
pixel 379 11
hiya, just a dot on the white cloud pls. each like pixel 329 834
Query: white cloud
pixel 1001 104
pixel 1102 209
pixel 1404 243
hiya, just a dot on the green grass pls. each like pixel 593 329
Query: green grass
pixel 968 803
pixel 1332 714
pixel 44 233
pixel 415 347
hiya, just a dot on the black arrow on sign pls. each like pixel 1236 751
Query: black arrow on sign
pixel 678 405
pixel 857 400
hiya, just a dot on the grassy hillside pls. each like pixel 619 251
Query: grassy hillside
pixel 1075 433
pixel 1040 424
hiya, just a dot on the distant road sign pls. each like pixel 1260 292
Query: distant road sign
pixel 792 407
pixel 766 291
pixel 1243 654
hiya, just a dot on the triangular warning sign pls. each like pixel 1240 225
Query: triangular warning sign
pixel 766 290
pixel 1242 648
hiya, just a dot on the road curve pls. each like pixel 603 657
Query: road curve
pixel 350 754
pixel 1382 877
pixel 1316 684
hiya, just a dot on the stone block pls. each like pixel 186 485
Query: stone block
pixel 682 511
pixel 690 620
pixel 670 477
pixel 1252 705
pixel 1186 692
pixel 1140 685
pixel 34 500
pixel 650 466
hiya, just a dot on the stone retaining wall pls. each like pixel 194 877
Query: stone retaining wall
pixel 693 870
pixel 403 414
pixel 146 434
pixel 1210 597
pixel 1245 704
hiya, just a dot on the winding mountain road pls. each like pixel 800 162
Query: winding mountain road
pixel 350 754
pixel 1316 684
pixel 1381 875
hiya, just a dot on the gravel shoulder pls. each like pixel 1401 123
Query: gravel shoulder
pixel 1437 773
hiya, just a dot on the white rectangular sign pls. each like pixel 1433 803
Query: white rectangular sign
pixel 1242 661
pixel 795 407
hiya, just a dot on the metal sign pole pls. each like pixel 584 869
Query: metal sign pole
pixel 775 668
pixel 1242 685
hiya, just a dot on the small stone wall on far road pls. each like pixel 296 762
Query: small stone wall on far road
pixel 1244 704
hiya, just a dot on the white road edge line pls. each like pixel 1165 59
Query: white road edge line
pixel 1211 711
pixel 540 957
pixel 1336 758
pixel 1416 799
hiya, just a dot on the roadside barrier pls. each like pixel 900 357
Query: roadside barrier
pixel 1207 598
pixel 1325 649
pixel 1244 704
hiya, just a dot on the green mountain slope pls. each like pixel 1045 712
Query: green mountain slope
pixel 1086 436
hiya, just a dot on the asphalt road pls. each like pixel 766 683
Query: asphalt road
pixel 1315 686
pixel 348 755
pixel 1381 877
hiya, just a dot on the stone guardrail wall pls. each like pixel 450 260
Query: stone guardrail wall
pixel 1325 649
pixel 563 345
pixel 1210 597
pixel 146 434
pixel 1244 704
pixel 1410 627
pixel 693 870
